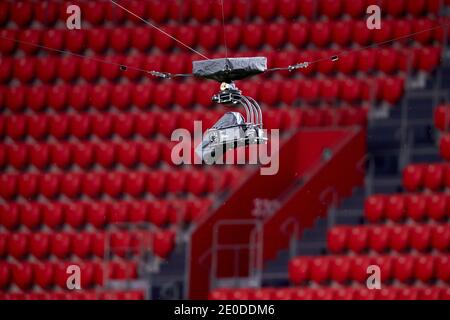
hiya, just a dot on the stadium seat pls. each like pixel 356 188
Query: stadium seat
pixel 340 269
pixel 38 126
pixel 358 239
pixel 395 208
pixel 403 268
pixel 416 207
pixel 378 238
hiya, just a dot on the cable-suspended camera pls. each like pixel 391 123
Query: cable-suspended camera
pixel 232 129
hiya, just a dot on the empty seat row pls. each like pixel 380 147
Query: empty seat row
pixel 47 13
pixel 77 215
pixel 82 154
pixel 382 238
pixel 63 245
pixel 103 125
pixel 327 293
pixel 398 207
pixel 209 37
pixel 190 94
pixel 342 269
pixel 49 68
pixel 30 275
pixel 429 176
pixel 145 124
pixel 113 183
pixel 125 125
pixel 77 295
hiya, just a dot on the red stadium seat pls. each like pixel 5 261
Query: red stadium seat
pixel 340 269
pixel 298 34
pixel 102 124
pixel 440 238
pixel 50 185
pixel 92 184
pixel 361 34
pixel 82 241
pixel 7 46
pixel 403 268
pixel 444 147
pixel 40 155
pixel 97 214
pixel 442 264
pixel 18 155
pixel 374 208
pixel 22 275
pixel 71 184
pixel 119 212
pixel 98 244
pixel 413 177
pixel 53 215
pixel 31 36
pixel 68 68
pixel 24 69
pixel 120 243
pixel 163 42
pixel 337 239
pixel 358 268
pixel 8 186
pixel 400 238
pixel 61 154
pixel 163 243
pixel 18 245
pixel 135 183
pixel 37 97
pixel 83 154
pixel 59 125
pixel 113 183
pixel 15 100
pixel 416 206
pixel 30 215
pixel 420 237
pixel 89 69
pixel 299 270
pixel 76 40
pixel 379 238
pixel 436 206
pixel 128 153
pixel 120 39
pixel 141 38
pixel 253 36
pixel 424 268
pixel 5 274
pixel 28 185
pixel 40 245
pixel 395 207
pixel 320 269
pixel 407 293
pixel 38 126
pixel 10 215
pixel 75 215
pixel 358 238
pixel 46 68
pixel 433 176
pixel 138 211
pixel 156 182
pixel 142 95
pixel 276 35
pixel 149 153
pixel 97 39
pixel 364 294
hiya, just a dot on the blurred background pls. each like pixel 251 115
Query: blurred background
pixel 85 152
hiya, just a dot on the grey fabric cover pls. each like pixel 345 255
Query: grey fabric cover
pixel 229 69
